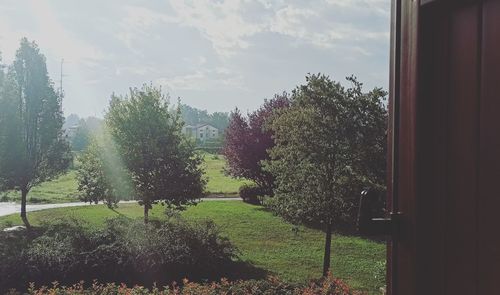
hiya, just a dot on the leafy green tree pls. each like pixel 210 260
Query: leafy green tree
pixel 101 175
pixel 33 148
pixel 162 163
pixel 328 144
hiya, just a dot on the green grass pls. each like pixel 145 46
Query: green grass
pixel 264 240
pixel 64 189
pixel 218 182
pixel 59 190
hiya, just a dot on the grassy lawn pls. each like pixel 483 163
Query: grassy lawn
pixel 263 239
pixel 64 188
pixel 218 183
pixel 60 190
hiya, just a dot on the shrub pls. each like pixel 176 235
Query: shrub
pixel 250 193
pixel 270 286
pixel 124 250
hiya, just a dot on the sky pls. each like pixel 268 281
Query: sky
pixel 212 54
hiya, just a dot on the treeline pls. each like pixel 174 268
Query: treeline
pixel 140 144
pixel 80 130
pixel 193 116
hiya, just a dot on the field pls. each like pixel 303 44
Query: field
pixel 218 182
pixel 60 190
pixel 65 188
pixel 264 240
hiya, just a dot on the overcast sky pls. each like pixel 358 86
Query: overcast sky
pixel 214 55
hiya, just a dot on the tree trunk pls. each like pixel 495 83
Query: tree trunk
pixel 24 217
pixel 328 245
pixel 146 213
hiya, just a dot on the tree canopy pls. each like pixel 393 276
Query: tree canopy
pixel 101 175
pixel 328 144
pixel 247 142
pixel 161 162
pixel 33 148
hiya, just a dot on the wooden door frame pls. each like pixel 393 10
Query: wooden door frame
pixel 408 140
pixel 401 252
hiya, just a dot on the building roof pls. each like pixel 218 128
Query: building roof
pixel 197 126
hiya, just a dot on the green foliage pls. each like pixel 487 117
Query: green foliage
pixel 123 250
pixel 193 116
pixel 65 187
pixel 33 148
pixel 162 163
pixel 81 138
pixel 263 240
pixel 329 144
pixel 250 193
pixel 101 175
pixel 212 146
pixel 87 128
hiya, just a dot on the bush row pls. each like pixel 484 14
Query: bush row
pixel 270 286
pixel 123 251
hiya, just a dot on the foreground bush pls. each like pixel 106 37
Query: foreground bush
pixel 123 251
pixel 251 193
pixel 270 286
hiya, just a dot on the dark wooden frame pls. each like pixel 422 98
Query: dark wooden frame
pixel 445 137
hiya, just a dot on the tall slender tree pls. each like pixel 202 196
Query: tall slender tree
pixel 329 144
pixel 162 163
pixel 32 146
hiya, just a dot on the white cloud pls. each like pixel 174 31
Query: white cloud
pixel 223 23
pixel 137 23
pixel 214 50
pixel 220 22
pixel 228 25
pixel 203 79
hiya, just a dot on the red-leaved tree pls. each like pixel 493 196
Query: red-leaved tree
pixel 247 142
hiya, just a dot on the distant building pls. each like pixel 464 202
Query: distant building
pixel 201 132
pixel 71 131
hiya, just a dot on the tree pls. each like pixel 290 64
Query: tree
pixel 219 120
pixel 2 73
pixel 33 148
pixel 102 175
pixel 193 116
pixel 81 138
pixel 71 121
pixel 162 163
pixel 329 144
pixel 247 142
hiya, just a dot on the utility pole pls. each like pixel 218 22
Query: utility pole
pixel 61 80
